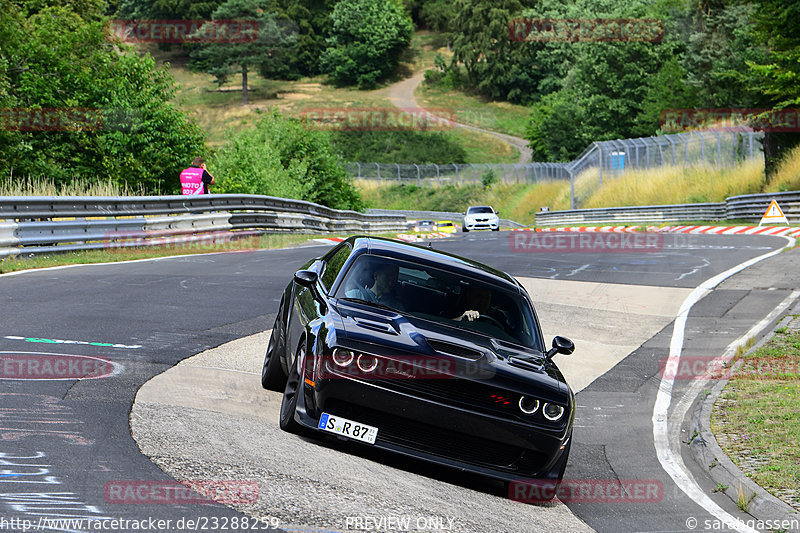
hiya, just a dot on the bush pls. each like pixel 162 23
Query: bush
pixel 403 147
pixel 367 39
pixel 281 157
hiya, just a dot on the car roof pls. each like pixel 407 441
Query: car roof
pixel 430 257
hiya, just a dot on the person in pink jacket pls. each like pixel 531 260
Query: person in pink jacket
pixel 196 179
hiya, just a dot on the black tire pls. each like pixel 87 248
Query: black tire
pixel 272 375
pixel 495 229
pixel 290 393
pixel 464 229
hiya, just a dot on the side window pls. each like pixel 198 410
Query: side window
pixel 333 265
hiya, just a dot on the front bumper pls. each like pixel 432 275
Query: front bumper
pixel 481 224
pixel 433 431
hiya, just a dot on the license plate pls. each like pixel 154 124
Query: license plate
pixel 347 428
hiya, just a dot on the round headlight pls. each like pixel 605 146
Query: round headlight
pixel 552 411
pixel 367 363
pixel 343 357
pixel 528 405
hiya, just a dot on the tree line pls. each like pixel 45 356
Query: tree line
pixel 116 116
pixel 711 54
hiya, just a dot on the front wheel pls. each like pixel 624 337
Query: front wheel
pixel 272 375
pixel 290 394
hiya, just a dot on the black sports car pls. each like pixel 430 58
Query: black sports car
pixel 422 353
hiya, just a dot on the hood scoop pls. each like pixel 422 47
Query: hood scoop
pixel 519 357
pixel 456 350
pixel 374 325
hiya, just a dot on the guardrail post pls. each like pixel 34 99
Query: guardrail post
pixel 419 180
pixel 456 167
pixel 359 170
pixel 398 174
pixel 379 170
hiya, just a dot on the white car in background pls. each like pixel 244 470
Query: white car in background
pixel 481 217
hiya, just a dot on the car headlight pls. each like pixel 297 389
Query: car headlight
pixel 343 357
pixel 367 363
pixel 528 405
pixel 552 411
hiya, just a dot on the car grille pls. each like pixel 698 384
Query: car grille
pixel 436 441
pixel 457 392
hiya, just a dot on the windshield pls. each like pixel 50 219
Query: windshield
pixel 441 296
pixel 479 210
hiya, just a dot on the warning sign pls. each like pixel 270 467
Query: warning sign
pixel 773 215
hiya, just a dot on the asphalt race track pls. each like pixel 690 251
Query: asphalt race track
pixel 66 449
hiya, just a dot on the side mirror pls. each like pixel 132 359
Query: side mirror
pixel 561 345
pixel 306 278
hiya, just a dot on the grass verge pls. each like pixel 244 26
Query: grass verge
pixel 112 255
pixel 756 418
pixel 502 117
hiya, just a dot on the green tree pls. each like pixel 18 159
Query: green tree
pixel 56 60
pixel 265 48
pixel 778 76
pixel 366 40
pixel 281 157
pixel 313 20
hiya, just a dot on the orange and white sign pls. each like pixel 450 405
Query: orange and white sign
pixel 773 215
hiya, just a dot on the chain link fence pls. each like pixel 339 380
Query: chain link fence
pixel 428 175
pixel 601 160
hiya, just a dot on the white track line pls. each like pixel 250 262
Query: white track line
pixel 669 456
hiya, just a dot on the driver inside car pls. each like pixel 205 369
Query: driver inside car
pixel 381 287
pixel 477 303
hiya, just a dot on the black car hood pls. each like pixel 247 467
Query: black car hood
pixel 370 328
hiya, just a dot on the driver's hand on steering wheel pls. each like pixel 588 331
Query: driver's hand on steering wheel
pixel 470 315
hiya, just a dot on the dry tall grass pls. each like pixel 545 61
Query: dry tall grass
pixel 678 185
pixel 787 177
pixel 15 186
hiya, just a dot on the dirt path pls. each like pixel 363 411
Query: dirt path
pixel 402 95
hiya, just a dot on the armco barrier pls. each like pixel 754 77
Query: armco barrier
pixel 40 224
pixel 753 206
pixel 749 207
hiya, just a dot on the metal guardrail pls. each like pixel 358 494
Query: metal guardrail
pixel 753 206
pixel 750 207
pixel 624 215
pixel 40 224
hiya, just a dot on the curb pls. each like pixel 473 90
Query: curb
pixel 704 230
pixel 763 506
